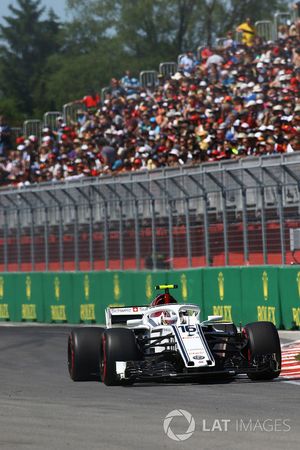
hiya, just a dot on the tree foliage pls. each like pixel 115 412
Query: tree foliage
pixel 27 41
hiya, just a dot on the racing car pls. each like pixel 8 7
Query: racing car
pixel 167 340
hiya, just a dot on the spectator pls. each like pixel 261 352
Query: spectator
pixel 283 32
pixel 130 84
pixel 248 32
pixel 236 102
pixel 116 90
pixel 229 41
pixel 187 62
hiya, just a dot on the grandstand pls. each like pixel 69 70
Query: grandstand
pixel 201 168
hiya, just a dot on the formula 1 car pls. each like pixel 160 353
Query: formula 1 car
pixel 166 340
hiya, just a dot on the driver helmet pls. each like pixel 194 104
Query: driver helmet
pixel 163 299
pixel 168 318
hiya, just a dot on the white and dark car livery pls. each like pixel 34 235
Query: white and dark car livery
pixel 167 340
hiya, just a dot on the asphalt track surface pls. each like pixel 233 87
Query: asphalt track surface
pixel 42 409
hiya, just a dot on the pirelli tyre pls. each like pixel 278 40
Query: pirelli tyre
pixel 118 344
pixel 84 353
pixel 263 339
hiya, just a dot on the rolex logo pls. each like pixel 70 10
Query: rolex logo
pixel 1 288
pixel 86 286
pixel 265 282
pixel 149 287
pixel 184 288
pixel 56 288
pixel 117 290
pixel 298 283
pixel 221 285
pixel 28 288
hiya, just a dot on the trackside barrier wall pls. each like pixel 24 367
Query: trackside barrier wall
pixel 240 294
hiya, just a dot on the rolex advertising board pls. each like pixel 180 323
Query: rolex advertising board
pixel 289 289
pixel 260 294
pixel 222 293
pixel 58 297
pixel 29 298
pixel 8 296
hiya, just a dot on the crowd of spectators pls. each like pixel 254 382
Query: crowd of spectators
pixel 232 102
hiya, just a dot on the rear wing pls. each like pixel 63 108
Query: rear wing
pixel 120 315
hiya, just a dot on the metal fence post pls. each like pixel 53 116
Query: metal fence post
pixel 263 225
pixel 106 230
pixel 121 240
pixel 18 236
pixel 171 240
pixel 224 212
pixel 75 206
pixel 46 229
pixel 153 224
pixel 5 241
pixel 280 211
pixel 205 218
pixel 187 220
pixel 263 215
pixel 136 226
pixel 60 233
pixel 153 228
pixel 170 201
pixel 244 212
pixel 91 252
pixel 281 221
pixel 32 252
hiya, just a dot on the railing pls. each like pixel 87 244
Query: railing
pixel 149 79
pixel 265 30
pixel 50 119
pixel 167 69
pixel 230 213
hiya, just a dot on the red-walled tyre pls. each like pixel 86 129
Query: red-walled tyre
pixel 118 344
pixel 84 353
pixel 263 339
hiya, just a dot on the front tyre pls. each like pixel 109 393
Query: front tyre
pixel 118 344
pixel 84 353
pixel 263 340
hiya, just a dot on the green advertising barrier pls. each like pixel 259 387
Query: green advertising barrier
pixel 189 286
pixel 289 289
pixel 29 297
pixel 8 296
pixel 240 294
pixel 222 293
pixel 260 294
pixel 58 297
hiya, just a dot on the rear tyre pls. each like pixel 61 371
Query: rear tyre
pixel 263 339
pixel 84 347
pixel 118 344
